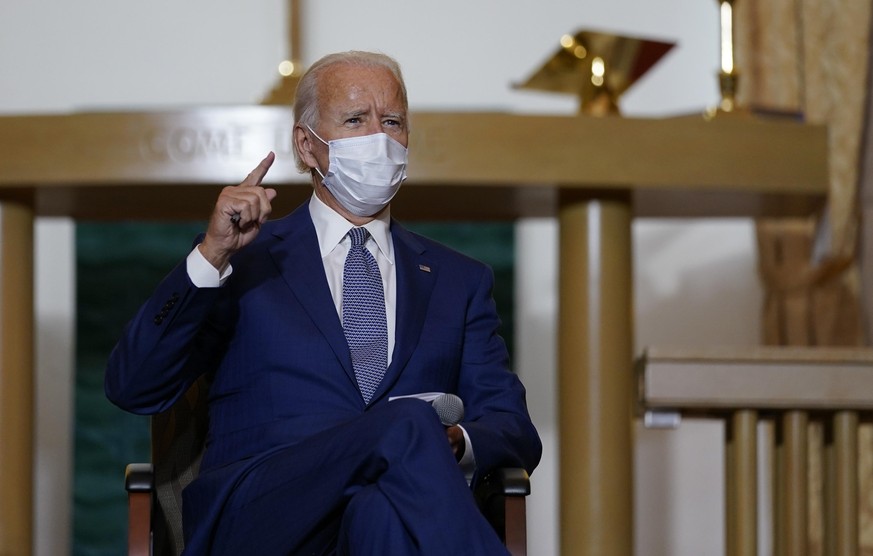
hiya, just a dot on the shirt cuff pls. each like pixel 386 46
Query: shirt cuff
pixel 202 273
pixel 468 460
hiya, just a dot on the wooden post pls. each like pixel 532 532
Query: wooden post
pixel 794 478
pixel 741 477
pixel 845 486
pixel 16 379
pixel 595 378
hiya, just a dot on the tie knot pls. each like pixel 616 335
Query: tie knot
pixel 359 236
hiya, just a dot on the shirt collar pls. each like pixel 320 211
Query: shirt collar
pixel 331 228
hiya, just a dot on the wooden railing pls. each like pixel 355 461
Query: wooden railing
pixel 797 390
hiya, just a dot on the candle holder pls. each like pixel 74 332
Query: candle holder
pixel 727 76
pixel 290 69
pixel 283 91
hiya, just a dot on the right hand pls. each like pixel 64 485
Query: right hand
pixel 251 202
pixel 457 441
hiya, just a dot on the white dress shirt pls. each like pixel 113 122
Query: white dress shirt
pixel 333 242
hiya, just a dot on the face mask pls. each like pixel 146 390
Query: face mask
pixel 364 172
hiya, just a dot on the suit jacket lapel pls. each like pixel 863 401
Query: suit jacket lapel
pixel 296 254
pixel 298 258
pixel 416 276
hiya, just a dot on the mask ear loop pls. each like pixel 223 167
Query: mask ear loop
pixel 317 136
pixel 323 141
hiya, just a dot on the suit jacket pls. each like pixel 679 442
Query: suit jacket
pixel 281 369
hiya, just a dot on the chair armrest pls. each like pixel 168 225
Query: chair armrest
pixel 505 481
pixel 138 477
pixel 501 498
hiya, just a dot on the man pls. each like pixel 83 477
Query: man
pixel 320 331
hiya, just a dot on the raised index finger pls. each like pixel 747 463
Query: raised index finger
pixel 257 175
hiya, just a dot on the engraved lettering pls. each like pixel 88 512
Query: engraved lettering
pixel 186 144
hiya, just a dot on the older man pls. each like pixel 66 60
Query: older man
pixel 322 333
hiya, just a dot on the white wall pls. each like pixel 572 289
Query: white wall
pixel 55 306
pixel 695 281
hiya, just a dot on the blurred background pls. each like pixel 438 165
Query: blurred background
pixel 695 281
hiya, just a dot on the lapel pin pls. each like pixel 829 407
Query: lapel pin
pixel 424 268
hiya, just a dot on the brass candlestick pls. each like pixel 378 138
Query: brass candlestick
pixel 727 77
pixel 290 69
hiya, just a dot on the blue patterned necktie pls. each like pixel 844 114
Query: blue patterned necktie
pixel 364 314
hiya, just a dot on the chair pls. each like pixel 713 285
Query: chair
pixel 155 490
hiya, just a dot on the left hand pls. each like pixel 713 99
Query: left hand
pixel 456 441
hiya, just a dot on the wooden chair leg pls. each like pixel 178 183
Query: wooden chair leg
pixel 139 485
pixel 138 537
pixel 516 525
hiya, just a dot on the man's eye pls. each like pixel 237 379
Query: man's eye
pixel 391 123
pixel 353 121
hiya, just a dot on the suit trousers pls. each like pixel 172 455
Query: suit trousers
pixel 384 483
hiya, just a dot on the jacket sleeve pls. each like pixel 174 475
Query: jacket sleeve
pixel 171 341
pixel 497 420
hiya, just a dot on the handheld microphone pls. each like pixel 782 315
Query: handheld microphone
pixel 449 408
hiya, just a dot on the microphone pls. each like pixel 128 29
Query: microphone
pixel 449 408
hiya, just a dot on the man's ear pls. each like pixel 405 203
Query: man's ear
pixel 303 144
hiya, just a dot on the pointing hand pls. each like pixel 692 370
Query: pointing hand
pixel 239 212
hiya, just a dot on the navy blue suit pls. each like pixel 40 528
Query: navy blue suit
pixel 284 396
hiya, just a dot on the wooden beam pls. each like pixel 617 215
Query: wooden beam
pixel 487 165
pixel 757 378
